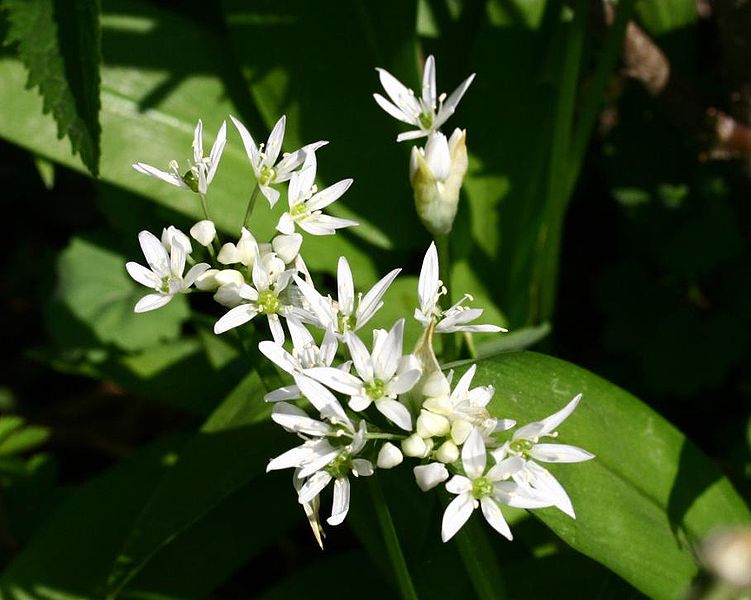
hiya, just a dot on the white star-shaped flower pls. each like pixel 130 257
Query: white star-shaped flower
pixel 318 460
pixel 429 291
pixel 381 376
pixel 165 272
pixel 306 203
pixel 536 479
pixel 487 490
pixel 429 111
pixel 201 169
pixel 263 159
pixel 350 311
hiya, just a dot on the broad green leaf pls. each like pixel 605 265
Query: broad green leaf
pixel 230 450
pixel 647 496
pixel 94 302
pixel 664 16
pixel 151 101
pixel 17 437
pixel 58 43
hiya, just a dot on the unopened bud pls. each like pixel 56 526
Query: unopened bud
pixel 447 452
pixel 430 424
pixel 389 456
pixel 429 476
pixel 436 173
pixel 203 232
pixel 414 446
pixel 207 280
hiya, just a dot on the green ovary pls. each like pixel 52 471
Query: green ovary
pixel 426 120
pixel 375 389
pixel 191 180
pixel 482 487
pixel 521 446
pixel 298 209
pixel 340 466
pixel 268 174
pixel 346 322
pixel 268 303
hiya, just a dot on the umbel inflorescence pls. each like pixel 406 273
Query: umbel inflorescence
pixel 357 399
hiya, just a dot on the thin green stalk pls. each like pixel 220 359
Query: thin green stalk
pixel 251 205
pixel 204 206
pixel 556 199
pixel 403 578
pixel 480 561
pixel 443 245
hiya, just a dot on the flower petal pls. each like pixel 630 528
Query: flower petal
pixel 313 487
pixel 456 515
pixel 371 302
pixel 274 144
pixel 143 275
pixel 493 515
pixel 341 501
pixel 329 195
pixel 396 412
pixel 474 455
pixel 151 302
pixel 559 453
pixel 155 253
pixel 234 318
pixel 345 287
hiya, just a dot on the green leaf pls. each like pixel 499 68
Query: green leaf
pixel 58 42
pixel 94 301
pixel 230 450
pixel 649 493
pixel 16 437
pixel 664 16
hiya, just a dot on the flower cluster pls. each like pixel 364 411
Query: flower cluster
pixel 357 399
pixel 437 170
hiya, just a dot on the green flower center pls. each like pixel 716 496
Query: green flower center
pixel 375 389
pixel 346 322
pixel 298 209
pixel 268 175
pixel 191 180
pixel 521 446
pixel 340 466
pixel 426 120
pixel 165 289
pixel 482 487
pixel 268 303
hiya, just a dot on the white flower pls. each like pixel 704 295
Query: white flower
pixel 203 232
pixel 381 376
pixel 165 272
pixel 261 298
pixel 436 174
pixel 305 203
pixel 345 314
pixel 317 459
pixel 464 408
pixel 538 481
pixel 429 291
pixel 419 112
pixel 485 489
pixel 200 171
pixel 263 159
pixel 305 355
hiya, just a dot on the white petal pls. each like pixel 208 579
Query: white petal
pixel 494 516
pixel 459 484
pixel 274 144
pixel 389 456
pixel 437 156
pixel 287 246
pixel 550 423
pixel 234 318
pixel 411 135
pixel 341 501
pixel 359 403
pixel 505 468
pixel 164 176
pixel 282 394
pixel 362 467
pixel 449 106
pixel 198 142
pixel 194 273
pixel 462 387
pixel 427 286
pixel 474 455
pixel 155 253
pixel 291 458
pixel 386 356
pixel 456 515
pixel 177 259
pixel 277 331
pixel 396 411
pixel 346 287
pixel 291 161
pixel 393 110
pixel 401 96
pixel 548 487
pixel 324 401
pixel 313 487
pixel 203 232
pixel 336 379
pixel 216 152
pixel 151 302
pixel 360 357
pixel 371 302
pixel 279 356
pixel 143 275
pixel 429 94
pixel 329 195
pixel 296 420
pixel 559 453
pixel 271 195
pixel 250 146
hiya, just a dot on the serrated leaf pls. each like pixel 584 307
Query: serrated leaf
pixel 58 42
pixel 94 300
pixel 647 496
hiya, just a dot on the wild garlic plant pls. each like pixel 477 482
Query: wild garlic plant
pixel 356 398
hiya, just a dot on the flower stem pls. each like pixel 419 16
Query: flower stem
pixel 204 207
pixel 403 578
pixel 443 245
pixel 251 205
pixel 384 436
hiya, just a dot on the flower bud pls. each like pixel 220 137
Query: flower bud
pixel 727 554
pixel 414 446
pixel 203 232
pixel 460 431
pixel 229 277
pixel 389 456
pixel 207 280
pixel 244 252
pixel 429 476
pixel 172 234
pixel 436 173
pixel 287 247
pixel 430 424
pixel 447 452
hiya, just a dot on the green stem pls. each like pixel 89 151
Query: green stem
pixel 403 578
pixel 251 205
pixel 204 207
pixel 384 436
pixel 443 245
